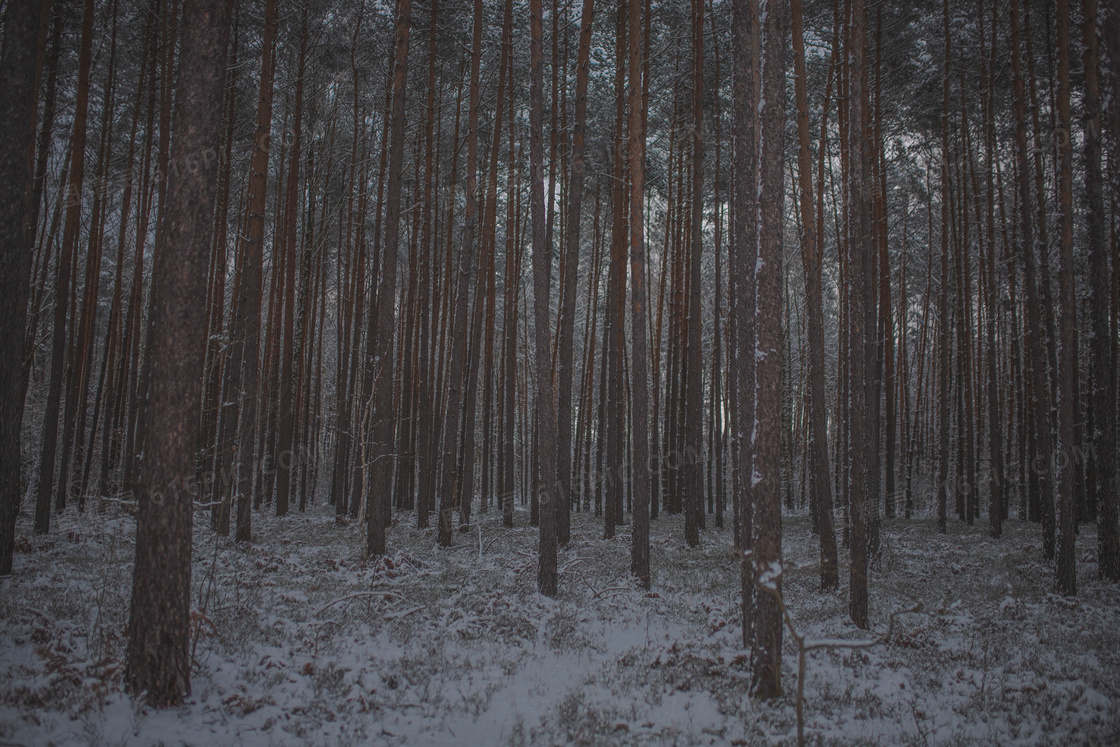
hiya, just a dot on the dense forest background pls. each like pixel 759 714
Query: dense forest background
pixel 849 260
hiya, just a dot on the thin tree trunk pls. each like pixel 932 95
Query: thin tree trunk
pixel 507 485
pixel 63 285
pixel 692 478
pixel 743 253
pixel 997 484
pixel 452 494
pixel 639 424
pixel 1066 580
pixel 242 379
pixel 572 235
pixel 1036 360
pixel 943 296
pixel 811 257
pixel 766 539
pixel 286 427
pixel 542 260
pixel 1103 349
pixel 381 457
pixel 862 319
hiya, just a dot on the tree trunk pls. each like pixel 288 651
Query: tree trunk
pixel 1067 361
pixel 450 493
pixel 63 285
pixel 22 20
pixel 943 296
pixel 811 255
pixel 542 261
pixel 286 427
pixel 862 319
pixel 572 235
pixel 692 478
pixel 158 661
pixel 639 425
pixel 766 468
pixel 242 379
pixel 381 457
pixel 1036 360
pixel 743 253
pixel 1104 341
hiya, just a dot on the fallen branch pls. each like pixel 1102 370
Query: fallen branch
pixel 358 595
pixel 40 613
pixel 402 613
pixel 805 646
pixel 570 564
pixel 126 502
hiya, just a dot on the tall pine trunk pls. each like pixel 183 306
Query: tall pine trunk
pixel 158 662
pixel 639 424
pixel 811 255
pixel 542 271
pixel 379 488
pixel 1103 350
pixel 765 439
pixel 17 124
pixel 1066 580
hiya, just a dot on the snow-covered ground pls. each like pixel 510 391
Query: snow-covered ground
pixel 300 642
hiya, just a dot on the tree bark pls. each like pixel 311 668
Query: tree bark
pixel 743 252
pixel 158 661
pixel 380 486
pixel 693 476
pixel 17 124
pixel 1104 342
pixel 542 260
pixel 286 428
pixel 639 425
pixel 450 494
pixel 1036 360
pixel 1066 579
pixel 765 439
pixel 572 235
pixel 811 257
pixel 242 378
pixel 63 285
pixel 862 319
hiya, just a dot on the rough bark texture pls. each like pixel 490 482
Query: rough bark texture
pixel 380 467
pixel 542 261
pixel 817 430
pixel 1104 360
pixel 566 343
pixel 766 462
pixel 450 493
pixel 241 379
pixel 1043 454
pixel 743 253
pixel 861 319
pixel 62 288
pixel 639 418
pixel 285 437
pixel 158 662
pixel 943 297
pixel 17 118
pixel 1066 579
pixel 692 479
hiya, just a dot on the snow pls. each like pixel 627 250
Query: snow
pixel 301 642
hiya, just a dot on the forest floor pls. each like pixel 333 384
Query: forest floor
pixel 297 641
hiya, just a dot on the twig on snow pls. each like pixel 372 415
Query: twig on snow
pixel 357 595
pixel 805 646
